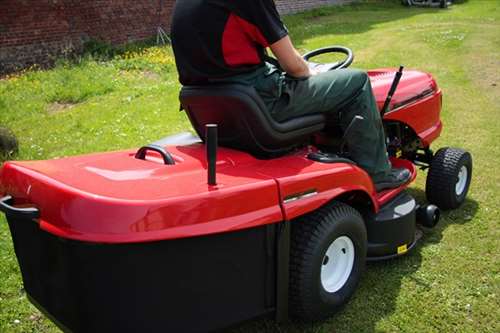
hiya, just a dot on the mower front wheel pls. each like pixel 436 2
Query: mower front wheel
pixel 328 254
pixel 449 178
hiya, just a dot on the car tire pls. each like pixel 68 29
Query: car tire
pixel 449 178
pixel 328 255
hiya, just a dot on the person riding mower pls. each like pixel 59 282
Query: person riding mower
pixel 218 42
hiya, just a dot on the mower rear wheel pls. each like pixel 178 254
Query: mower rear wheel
pixel 449 178
pixel 328 254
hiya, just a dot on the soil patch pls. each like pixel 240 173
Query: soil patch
pixel 151 75
pixel 58 107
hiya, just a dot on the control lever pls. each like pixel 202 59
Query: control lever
pixel 394 85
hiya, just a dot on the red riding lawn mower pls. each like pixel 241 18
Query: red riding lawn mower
pixel 249 218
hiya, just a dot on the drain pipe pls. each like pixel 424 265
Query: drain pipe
pixel 211 146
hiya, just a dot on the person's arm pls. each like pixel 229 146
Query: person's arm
pixel 290 59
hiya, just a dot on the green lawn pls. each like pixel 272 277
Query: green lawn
pixel 449 283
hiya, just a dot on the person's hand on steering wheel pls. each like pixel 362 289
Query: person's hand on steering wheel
pixel 298 66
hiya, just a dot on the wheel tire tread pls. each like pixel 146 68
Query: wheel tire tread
pixel 441 179
pixel 308 230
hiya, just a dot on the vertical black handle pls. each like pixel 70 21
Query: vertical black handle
pixel 211 146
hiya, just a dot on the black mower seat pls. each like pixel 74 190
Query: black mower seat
pixel 243 121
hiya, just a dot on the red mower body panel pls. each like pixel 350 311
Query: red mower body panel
pixel 116 198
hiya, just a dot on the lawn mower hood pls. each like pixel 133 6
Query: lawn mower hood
pixel 419 96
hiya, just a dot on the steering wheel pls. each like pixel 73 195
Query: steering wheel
pixel 346 62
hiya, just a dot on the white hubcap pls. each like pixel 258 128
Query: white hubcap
pixel 461 181
pixel 337 264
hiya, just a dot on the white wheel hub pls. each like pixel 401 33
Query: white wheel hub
pixel 461 181
pixel 337 264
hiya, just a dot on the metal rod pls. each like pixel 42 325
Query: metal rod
pixel 394 85
pixel 211 146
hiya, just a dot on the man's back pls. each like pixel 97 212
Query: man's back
pixel 214 39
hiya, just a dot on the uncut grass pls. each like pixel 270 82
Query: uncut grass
pixel 450 283
pixel 106 105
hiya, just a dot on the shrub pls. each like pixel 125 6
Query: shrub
pixel 8 144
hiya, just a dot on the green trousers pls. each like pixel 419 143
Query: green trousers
pixel 343 94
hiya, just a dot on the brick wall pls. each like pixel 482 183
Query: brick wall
pixel 39 31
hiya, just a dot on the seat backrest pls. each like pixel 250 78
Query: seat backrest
pixel 243 120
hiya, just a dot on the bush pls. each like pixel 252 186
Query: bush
pixel 8 144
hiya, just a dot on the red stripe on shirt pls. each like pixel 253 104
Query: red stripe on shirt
pixel 240 42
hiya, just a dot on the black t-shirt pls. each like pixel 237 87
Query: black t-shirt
pixel 214 39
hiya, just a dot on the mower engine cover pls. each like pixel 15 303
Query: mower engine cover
pixel 416 103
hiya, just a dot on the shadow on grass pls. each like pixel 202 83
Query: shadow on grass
pixel 380 286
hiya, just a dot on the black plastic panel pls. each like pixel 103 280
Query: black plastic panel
pixel 187 285
pixel 393 227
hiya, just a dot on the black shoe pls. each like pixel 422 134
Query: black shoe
pixel 395 178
